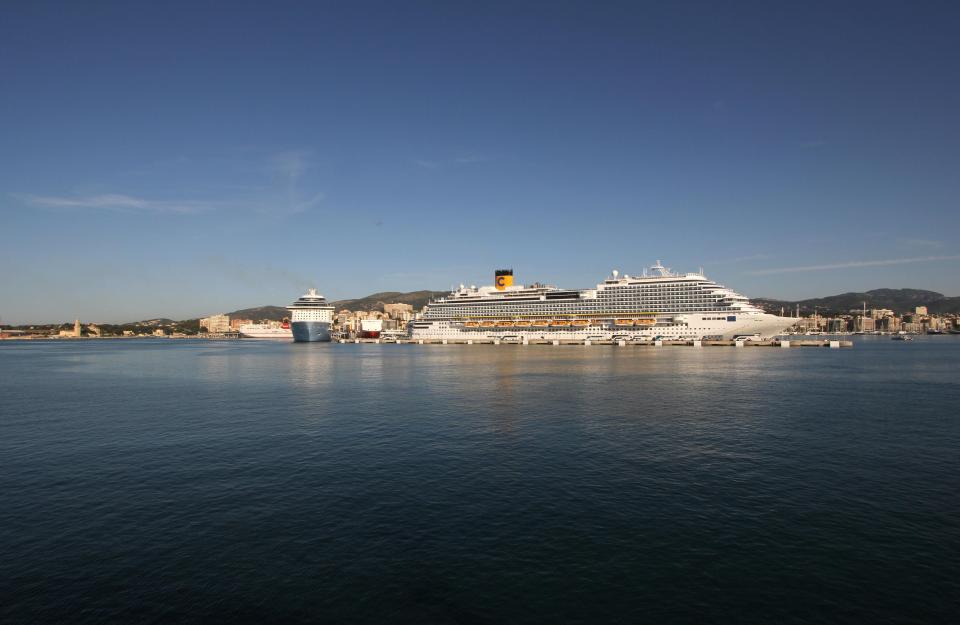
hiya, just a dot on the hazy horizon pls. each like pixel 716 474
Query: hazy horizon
pixel 4 321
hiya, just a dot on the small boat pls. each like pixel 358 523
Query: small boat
pixel 521 324
pixel 624 322
pixel 471 324
pixel 559 322
pixel 488 324
pixel 540 323
pixel 504 324
pixel 580 323
pixel 645 322
pixel 901 337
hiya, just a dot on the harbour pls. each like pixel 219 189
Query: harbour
pixel 619 342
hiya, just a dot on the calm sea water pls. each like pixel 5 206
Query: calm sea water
pixel 181 481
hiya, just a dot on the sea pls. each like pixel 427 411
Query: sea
pixel 193 481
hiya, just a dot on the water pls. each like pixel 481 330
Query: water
pixel 178 481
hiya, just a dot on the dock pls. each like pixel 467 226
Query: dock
pixel 835 344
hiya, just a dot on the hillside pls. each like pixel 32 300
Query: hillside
pixel 417 299
pixel 261 313
pixel 897 300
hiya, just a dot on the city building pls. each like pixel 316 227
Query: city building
pixel 216 324
pixel 236 323
pixel 398 312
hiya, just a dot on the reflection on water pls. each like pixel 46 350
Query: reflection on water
pixel 177 481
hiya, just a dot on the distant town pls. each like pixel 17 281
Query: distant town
pixel 821 316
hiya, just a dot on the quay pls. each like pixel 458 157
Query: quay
pixel 835 344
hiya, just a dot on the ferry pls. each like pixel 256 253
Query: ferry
pixel 310 318
pixel 658 303
pixel 267 330
pixel 371 328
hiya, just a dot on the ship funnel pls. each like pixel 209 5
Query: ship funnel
pixel 502 278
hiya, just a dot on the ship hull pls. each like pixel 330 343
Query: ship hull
pixel 252 332
pixel 310 331
pixel 730 327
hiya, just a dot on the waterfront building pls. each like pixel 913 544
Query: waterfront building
pixel 400 312
pixel 216 324
pixel 920 310
pixel 237 322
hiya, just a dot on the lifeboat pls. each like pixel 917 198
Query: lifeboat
pixel 559 322
pixel 487 324
pixel 504 324
pixel 471 324
pixel 540 323
pixel 646 322
pixel 581 323
pixel 624 322
pixel 521 324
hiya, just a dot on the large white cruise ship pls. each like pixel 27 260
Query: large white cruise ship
pixel 310 318
pixel 657 304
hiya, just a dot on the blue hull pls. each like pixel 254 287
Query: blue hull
pixel 310 331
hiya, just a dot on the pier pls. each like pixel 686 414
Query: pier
pixel 829 343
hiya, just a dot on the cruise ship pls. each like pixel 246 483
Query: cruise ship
pixel 658 304
pixel 267 330
pixel 310 318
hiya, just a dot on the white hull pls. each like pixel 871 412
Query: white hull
pixel 692 327
pixel 260 332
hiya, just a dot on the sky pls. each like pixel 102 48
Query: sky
pixel 183 159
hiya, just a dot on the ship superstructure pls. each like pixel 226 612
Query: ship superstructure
pixel 656 304
pixel 310 318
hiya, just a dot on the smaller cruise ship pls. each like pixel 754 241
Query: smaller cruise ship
pixel 267 330
pixel 310 318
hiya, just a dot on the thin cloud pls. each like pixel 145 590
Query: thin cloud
pixel 287 189
pixel 921 243
pixel 738 259
pixel 462 160
pixel 118 202
pixel 470 159
pixel 854 264
pixel 289 167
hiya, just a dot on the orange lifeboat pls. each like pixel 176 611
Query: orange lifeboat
pixel 521 324
pixel 471 324
pixel 559 322
pixel 504 324
pixel 540 323
pixel 487 324
pixel 581 323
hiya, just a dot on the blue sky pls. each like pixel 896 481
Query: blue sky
pixel 167 159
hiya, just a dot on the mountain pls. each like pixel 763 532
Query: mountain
pixel 897 300
pixel 261 313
